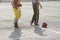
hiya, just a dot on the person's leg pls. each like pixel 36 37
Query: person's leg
pixel 17 13
pixel 34 15
pixel 37 15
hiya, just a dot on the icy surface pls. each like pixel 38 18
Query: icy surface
pixel 49 14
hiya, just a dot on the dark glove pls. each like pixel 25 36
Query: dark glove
pixel 20 5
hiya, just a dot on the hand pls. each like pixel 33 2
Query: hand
pixel 20 5
pixel 41 7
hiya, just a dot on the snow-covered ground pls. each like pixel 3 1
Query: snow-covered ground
pixel 49 14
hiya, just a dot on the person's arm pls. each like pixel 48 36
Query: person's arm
pixel 14 3
pixel 20 4
pixel 39 3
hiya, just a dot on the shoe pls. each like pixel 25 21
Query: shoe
pixel 36 24
pixel 16 25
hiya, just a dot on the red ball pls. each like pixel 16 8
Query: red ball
pixel 44 25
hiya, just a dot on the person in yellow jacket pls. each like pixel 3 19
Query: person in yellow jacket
pixel 16 4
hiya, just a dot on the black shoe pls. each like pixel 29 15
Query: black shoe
pixel 36 24
pixel 16 25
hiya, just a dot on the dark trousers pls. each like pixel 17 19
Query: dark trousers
pixel 35 17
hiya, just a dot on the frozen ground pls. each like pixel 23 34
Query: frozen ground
pixel 49 14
